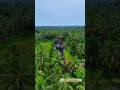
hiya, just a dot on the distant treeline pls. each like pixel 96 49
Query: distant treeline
pixel 59 27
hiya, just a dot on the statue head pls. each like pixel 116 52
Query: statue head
pixel 61 37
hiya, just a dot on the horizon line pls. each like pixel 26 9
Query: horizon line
pixel 60 25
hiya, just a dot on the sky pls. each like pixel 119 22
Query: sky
pixel 59 12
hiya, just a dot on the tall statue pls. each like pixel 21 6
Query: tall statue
pixel 60 44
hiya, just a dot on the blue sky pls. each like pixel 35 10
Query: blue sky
pixel 59 12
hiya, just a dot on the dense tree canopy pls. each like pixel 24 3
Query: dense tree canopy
pixel 16 18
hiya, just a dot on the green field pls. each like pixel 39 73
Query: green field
pixel 49 64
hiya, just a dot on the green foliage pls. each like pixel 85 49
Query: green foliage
pixel 50 66
pixel 15 72
pixel 102 46
pixel 80 73
pixel 16 45
pixel 65 86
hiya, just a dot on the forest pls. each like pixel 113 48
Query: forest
pixel 16 45
pixel 16 18
pixel 54 71
pixel 91 54
pixel 102 45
